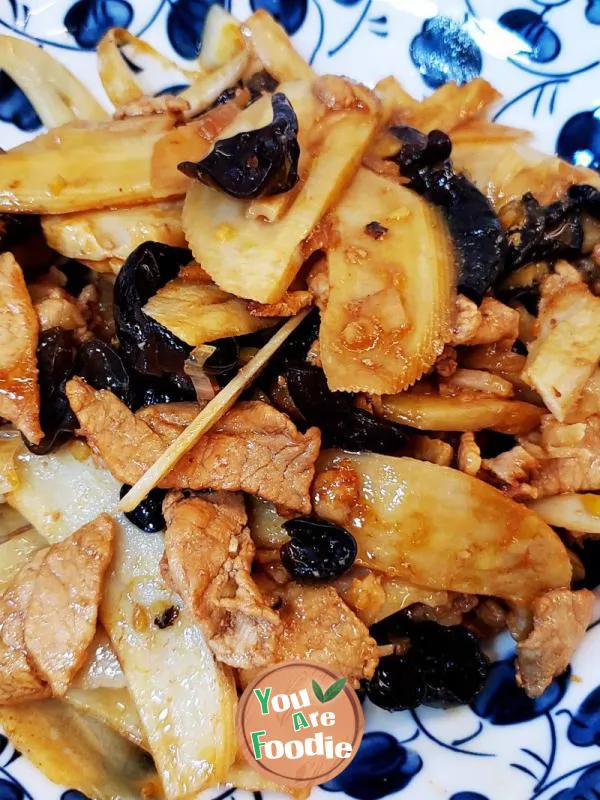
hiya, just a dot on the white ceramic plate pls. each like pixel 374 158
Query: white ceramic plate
pixel 544 58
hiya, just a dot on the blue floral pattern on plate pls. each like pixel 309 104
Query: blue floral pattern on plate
pixel 543 56
pixel 185 23
pixel 88 20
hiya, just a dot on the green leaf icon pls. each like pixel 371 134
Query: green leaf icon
pixel 318 692
pixel 334 689
pixel 329 694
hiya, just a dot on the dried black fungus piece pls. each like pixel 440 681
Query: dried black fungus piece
pixel 167 617
pixel 438 666
pixel 60 357
pixel 553 231
pixel 586 197
pixel 317 550
pixel 147 516
pixel 341 423
pixel 295 348
pixel 493 443
pixel 78 276
pixel 254 163
pixel 260 83
pixel 376 230
pixel 101 366
pixel 223 364
pixel 56 358
pixel 149 391
pixel 547 233
pixel 146 346
pixel 16 229
pixel 523 284
pixel 476 232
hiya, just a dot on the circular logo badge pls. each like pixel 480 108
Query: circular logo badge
pixel 299 724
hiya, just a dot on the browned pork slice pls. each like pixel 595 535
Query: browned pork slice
pixel 512 472
pixel 318 626
pixel 290 304
pixel 56 308
pixel 490 322
pixel 18 681
pixel 209 555
pixel 169 419
pixel 19 328
pixel 568 456
pixel 565 354
pixel 49 612
pixel 253 448
pixel 63 612
pixel 560 619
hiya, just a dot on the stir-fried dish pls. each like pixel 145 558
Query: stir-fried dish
pixel 290 368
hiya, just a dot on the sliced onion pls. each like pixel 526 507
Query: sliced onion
pixel 274 49
pixel 266 525
pixel 205 89
pixel 101 669
pixel 221 38
pixel 75 750
pixel 16 551
pixel 113 707
pixel 116 75
pixel 194 369
pixel 56 94
pixel 578 513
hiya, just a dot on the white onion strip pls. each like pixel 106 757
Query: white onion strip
pixel 209 415
pixel 56 94
pixel 117 78
pixel 206 88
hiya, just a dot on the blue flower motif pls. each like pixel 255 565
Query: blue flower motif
pixel 15 107
pixel 10 791
pixel 579 142
pixel 290 13
pixel 468 796
pixel 541 42
pixel 586 787
pixel 88 20
pixel 185 25
pixel 176 88
pixel 73 794
pixel 381 766
pixel 592 12
pixel 444 51
pixel 584 728
pixel 502 702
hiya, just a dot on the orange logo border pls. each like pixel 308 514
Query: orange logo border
pixel 269 772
